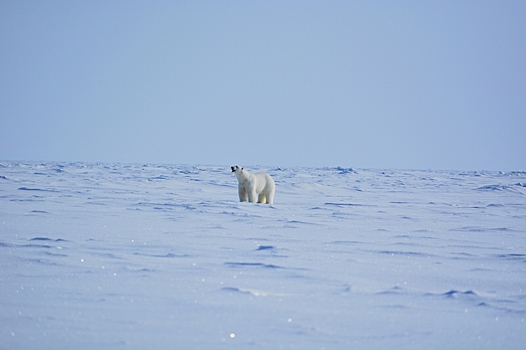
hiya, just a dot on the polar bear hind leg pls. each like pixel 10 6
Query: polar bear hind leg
pixel 270 197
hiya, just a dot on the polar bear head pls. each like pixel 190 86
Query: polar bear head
pixel 241 173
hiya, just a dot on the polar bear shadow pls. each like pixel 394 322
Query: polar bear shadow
pixel 252 186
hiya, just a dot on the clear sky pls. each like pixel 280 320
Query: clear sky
pixel 364 84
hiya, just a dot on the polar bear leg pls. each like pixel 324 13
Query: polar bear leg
pixel 262 198
pixel 252 196
pixel 242 194
pixel 270 197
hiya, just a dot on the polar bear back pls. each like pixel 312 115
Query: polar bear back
pixel 264 183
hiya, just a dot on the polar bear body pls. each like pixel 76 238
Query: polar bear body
pixel 259 185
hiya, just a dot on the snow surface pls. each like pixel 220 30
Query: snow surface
pixel 111 256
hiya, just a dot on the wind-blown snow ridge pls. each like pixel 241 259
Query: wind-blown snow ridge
pixel 124 256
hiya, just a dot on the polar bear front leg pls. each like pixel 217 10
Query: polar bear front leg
pixel 252 196
pixel 242 194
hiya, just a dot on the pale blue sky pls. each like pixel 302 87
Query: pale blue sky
pixel 365 84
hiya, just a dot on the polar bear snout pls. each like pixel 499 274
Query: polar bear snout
pixel 233 168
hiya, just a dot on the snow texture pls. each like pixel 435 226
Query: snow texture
pixel 113 256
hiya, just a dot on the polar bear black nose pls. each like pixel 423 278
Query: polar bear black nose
pixel 233 169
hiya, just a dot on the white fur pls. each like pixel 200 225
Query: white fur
pixel 252 185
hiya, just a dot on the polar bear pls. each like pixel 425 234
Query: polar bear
pixel 252 184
